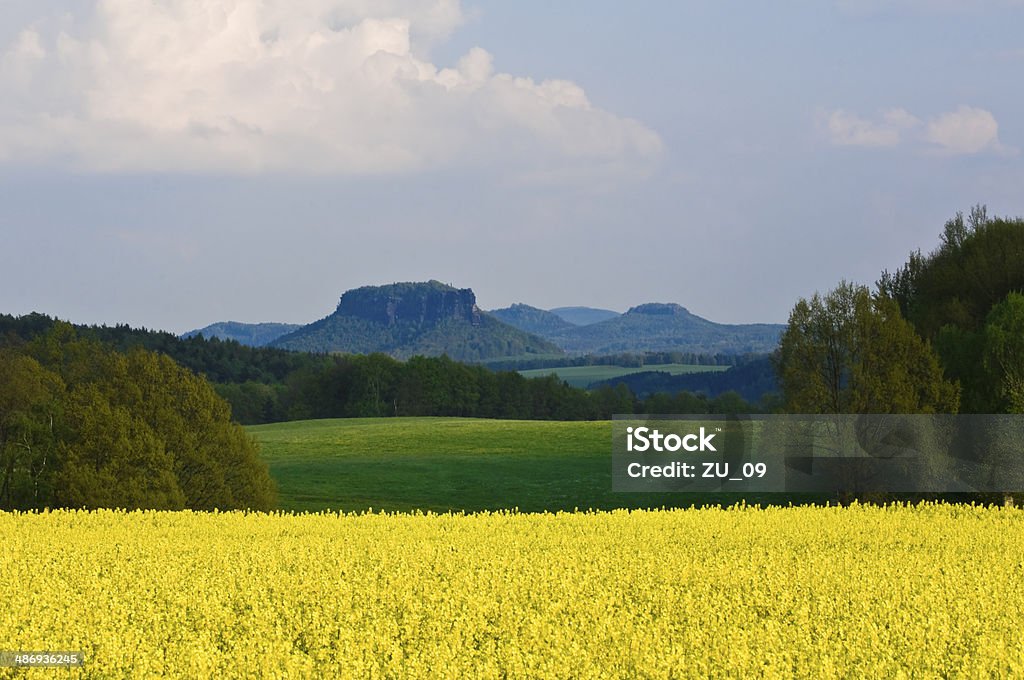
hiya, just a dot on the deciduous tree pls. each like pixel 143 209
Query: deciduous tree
pixel 851 352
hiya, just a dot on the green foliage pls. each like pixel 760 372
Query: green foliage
pixel 948 295
pixel 851 352
pixel 377 385
pixel 624 360
pixel 29 404
pixel 110 457
pixel 254 402
pixel 82 425
pixel 215 463
pixel 1003 352
pixel 752 380
pixel 217 360
pixel 272 385
pixel 586 376
pixel 960 352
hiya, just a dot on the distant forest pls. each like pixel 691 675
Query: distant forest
pixel 627 359
pixel 269 385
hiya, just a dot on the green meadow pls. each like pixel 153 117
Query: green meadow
pixel 584 376
pixel 450 464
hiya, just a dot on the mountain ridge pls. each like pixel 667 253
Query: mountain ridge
pixel 415 318
pixel 658 326
pixel 433 318
pixel 583 316
pixel 532 319
pixel 250 334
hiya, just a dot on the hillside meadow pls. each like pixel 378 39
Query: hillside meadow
pixel 452 464
pixel 927 591
pixel 584 376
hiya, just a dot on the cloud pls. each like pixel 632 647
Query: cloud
pixel 848 129
pixel 313 86
pixel 966 131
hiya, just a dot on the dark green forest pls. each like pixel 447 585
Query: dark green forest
pixel 625 359
pixel 944 333
pixel 965 299
pixel 753 379
pixel 269 385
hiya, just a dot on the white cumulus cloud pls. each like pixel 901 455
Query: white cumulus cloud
pixel 316 86
pixel 848 129
pixel 967 130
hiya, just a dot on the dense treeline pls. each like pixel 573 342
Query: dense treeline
pixel 83 425
pixel 944 333
pixel 268 385
pixel 378 385
pixel 627 360
pixel 219 360
pixel 965 298
pixel 754 381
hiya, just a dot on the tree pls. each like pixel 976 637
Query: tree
pixel 83 425
pixel 29 401
pixel 948 294
pixel 851 352
pixel 112 458
pixel 1004 351
pixel 216 463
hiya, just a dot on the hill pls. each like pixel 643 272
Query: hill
pixel 667 327
pixel 250 334
pixel 532 320
pixel 751 380
pixel 585 376
pixel 583 316
pixel 409 319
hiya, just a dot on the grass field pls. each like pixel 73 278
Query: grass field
pixel 583 376
pixel 444 464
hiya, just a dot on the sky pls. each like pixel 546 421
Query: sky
pixel 173 163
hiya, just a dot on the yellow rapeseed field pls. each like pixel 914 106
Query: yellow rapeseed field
pixel 859 592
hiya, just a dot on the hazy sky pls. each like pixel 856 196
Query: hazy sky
pixel 173 163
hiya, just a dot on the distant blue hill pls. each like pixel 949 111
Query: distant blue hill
pixel 415 318
pixel 532 320
pixel 583 316
pixel 251 334
pixel 659 327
